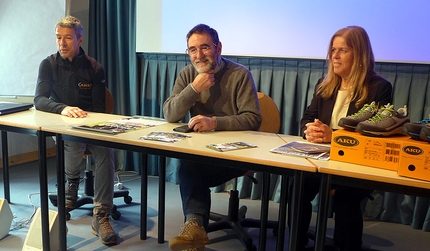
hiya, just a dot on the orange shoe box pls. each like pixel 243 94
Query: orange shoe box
pixel 415 160
pixel 352 147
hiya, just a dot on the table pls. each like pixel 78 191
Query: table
pixel 359 176
pixel 258 159
pixel 28 122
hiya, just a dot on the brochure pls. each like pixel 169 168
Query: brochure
pixel 304 149
pixel 224 147
pixel 116 126
pixel 170 137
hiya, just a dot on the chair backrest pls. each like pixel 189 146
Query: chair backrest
pixel 270 113
pixel 109 101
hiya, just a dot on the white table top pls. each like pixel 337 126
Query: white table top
pixel 26 119
pixel 344 169
pixel 367 173
pixel 195 145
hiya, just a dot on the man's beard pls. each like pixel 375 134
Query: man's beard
pixel 209 66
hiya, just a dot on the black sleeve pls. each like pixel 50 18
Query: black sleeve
pixel 45 82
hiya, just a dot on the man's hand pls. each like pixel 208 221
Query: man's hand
pixel 73 112
pixel 202 123
pixel 318 132
pixel 204 81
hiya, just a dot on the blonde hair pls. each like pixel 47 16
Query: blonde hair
pixel 362 67
pixel 71 22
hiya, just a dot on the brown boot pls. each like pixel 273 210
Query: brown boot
pixel 72 188
pixel 191 237
pixel 101 227
pixel 195 249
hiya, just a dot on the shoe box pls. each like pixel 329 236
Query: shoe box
pixel 380 152
pixel 415 159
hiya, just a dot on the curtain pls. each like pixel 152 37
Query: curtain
pixel 290 83
pixel 141 82
pixel 112 42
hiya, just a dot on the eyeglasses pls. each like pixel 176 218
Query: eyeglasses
pixel 204 49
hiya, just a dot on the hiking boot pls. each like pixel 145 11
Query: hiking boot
pixel 191 236
pixel 413 129
pixel 425 133
pixel 195 249
pixel 101 227
pixel 72 188
pixel 351 121
pixel 385 123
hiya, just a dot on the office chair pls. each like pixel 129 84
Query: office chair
pixel 87 197
pixel 235 219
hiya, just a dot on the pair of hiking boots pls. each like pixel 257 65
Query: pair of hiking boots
pixel 100 225
pixel 373 121
pixel 418 130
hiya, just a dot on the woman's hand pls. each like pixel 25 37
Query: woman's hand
pixel 318 132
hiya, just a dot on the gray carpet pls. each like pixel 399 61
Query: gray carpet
pixel 25 198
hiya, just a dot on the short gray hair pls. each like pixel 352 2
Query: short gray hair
pixel 71 22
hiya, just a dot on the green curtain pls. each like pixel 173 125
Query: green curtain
pixel 112 41
pixel 290 83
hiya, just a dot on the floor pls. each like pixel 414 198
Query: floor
pixel 25 198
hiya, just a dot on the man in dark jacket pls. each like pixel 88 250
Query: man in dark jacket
pixel 71 83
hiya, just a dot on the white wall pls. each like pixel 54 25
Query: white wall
pixel 27 29
pixel 398 29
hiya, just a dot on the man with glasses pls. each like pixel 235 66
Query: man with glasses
pixel 219 95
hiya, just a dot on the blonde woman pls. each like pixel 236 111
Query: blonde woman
pixel 351 82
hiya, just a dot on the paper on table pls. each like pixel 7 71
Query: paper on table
pixel 170 137
pixel 304 149
pixel 223 147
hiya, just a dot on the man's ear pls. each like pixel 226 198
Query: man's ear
pixel 219 48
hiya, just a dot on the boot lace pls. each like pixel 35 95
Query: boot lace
pixel 105 224
pixel 366 109
pixel 386 112
pixel 185 228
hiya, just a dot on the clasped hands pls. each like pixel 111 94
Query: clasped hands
pixel 73 112
pixel 318 132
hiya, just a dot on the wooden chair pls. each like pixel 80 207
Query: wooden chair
pixel 87 197
pixel 235 219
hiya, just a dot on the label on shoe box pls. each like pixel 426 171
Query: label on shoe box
pixel 415 160
pixel 380 152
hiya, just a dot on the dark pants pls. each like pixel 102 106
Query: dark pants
pixel 196 179
pixel 346 206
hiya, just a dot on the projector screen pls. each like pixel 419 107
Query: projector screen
pixel 27 29
pixel 398 29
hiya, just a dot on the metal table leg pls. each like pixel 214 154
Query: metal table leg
pixel 323 202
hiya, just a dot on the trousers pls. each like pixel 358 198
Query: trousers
pixel 196 179
pixel 348 227
pixel 104 171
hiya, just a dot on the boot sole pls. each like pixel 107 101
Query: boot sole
pixel 398 130
pixel 110 242
pixel 187 245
